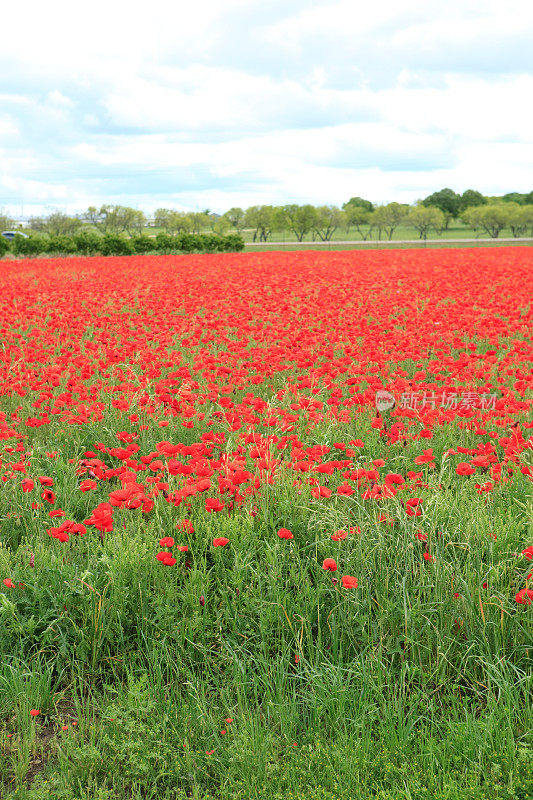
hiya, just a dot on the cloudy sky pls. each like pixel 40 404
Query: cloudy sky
pixel 219 103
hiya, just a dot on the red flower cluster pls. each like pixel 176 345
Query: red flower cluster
pixel 239 380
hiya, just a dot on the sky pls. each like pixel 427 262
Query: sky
pixel 210 105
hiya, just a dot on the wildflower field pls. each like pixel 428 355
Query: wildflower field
pixel 224 573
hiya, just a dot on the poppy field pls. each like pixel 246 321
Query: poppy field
pixel 224 573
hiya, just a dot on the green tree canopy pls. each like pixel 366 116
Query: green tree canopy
pixel 358 202
pixel 262 220
pixel 115 219
pixel 235 217
pixel 299 219
pixel 387 218
pixel 327 220
pixel 446 199
pixel 55 224
pixel 471 197
pixel 423 218
pixel 491 218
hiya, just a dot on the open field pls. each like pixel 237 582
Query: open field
pixel 456 230
pixel 224 574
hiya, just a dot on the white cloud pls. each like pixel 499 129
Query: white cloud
pixel 238 102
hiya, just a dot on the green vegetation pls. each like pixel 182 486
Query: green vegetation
pixel 120 230
pixel 332 694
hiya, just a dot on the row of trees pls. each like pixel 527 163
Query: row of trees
pixel 384 220
pixel 435 212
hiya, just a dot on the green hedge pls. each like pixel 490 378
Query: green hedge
pixel 90 243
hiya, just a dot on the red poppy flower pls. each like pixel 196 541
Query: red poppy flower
pixel 88 484
pixel 166 541
pixel 213 504
pixel 464 468
pixel 220 542
pixel 525 597
pixel 166 558
pixel 339 536
pixel 528 553
pixel 329 564
pixel 285 533
pixel 349 582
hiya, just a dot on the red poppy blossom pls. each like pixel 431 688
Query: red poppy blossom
pixel 524 597
pixel 166 541
pixel 213 504
pixel 35 712
pixel 285 533
pixel 166 558
pixel 349 582
pixel 329 565
pixel 220 542
pixel 338 536
pixel 528 553
pixel 464 468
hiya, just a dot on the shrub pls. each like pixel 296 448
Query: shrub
pixel 164 242
pixel 61 243
pixel 143 243
pixel 233 243
pixel 115 245
pixel 4 246
pixel 88 242
pixel 31 246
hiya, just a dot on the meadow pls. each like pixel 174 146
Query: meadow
pixel 223 572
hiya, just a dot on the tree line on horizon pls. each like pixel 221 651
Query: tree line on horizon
pixel 435 212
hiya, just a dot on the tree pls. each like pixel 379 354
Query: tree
pixel 299 219
pixel 161 218
pixel 447 200
pixel 219 224
pixel 6 223
pixel 519 218
pixel 173 221
pixel 55 224
pixel 491 218
pixel 423 218
pixel 515 197
pixel 388 217
pixel 470 198
pixel 358 202
pixel 235 217
pixel 327 220
pixel 262 220
pixel 358 217
pixel 527 211
pixel 115 219
pixel 199 220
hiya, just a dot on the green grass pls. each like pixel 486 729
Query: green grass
pixel 390 697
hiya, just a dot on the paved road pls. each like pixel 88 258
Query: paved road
pixel 392 242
